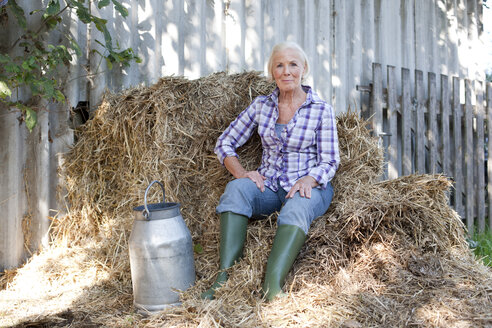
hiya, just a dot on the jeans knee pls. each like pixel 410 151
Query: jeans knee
pixel 235 198
pixel 301 211
pixel 237 187
pixel 301 221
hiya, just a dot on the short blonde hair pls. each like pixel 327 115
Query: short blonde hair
pixel 287 45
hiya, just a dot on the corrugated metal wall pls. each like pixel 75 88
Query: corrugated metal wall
pixel 197 37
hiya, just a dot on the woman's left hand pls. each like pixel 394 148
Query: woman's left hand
pixel 304 186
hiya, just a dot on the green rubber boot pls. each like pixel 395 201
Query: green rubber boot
pixel 232 236
pixel 286 246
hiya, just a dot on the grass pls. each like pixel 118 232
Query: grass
pixel 483 246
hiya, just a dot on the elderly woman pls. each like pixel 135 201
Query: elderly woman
pixel 300 157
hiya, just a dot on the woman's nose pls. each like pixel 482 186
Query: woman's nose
pixel 286 70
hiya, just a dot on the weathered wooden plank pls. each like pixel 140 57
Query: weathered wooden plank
pixel 377 100
pixel 419 123
pixel 445 136
pixel 468 152
pixel 489 149
pixel 432 122
pixel 392 124
pixel 479 157
pixel 458 151
pixel 11 179
pixel 406 123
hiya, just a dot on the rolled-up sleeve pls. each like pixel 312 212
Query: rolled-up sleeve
pixel 327 149
pixel 237 133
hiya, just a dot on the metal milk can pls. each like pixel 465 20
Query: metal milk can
pixel 161 255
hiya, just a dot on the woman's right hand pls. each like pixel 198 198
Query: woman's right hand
pixel 257 178
pixel 237 170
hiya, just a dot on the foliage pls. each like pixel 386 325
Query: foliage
pixel 482 243
pixel 36 69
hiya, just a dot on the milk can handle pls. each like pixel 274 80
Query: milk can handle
pixel 146 212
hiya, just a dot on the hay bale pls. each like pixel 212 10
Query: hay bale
pixel 388 253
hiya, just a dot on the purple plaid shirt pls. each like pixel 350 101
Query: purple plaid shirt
pixel 308 145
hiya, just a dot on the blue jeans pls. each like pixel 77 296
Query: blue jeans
pixel 242 196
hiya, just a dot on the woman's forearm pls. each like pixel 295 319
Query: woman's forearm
pixel 234 167
pixel 237 170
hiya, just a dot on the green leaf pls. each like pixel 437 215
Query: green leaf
pixel 62 48
pixel 34 85
pixel 39 45
pixel 59 96
pixel 75 46
pixel 12 68
pixel 83 14
pixel 94 51
pixel 99 22
pixel 4 90
pixel 4 59
pixel 118 6
pixel 101 44
pixel 25 66
pixel 18 13
pixel 109 63
pixel 107 38
pixel 48 88
pixel 198 248
pixel 53 7
pixel 101 26
pixel 52 21
pixel 31 118
pixel 117 57
pixel 102 4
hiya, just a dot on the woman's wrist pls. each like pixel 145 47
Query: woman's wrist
pixel 240 174
pixel 314 183
pixel 234 167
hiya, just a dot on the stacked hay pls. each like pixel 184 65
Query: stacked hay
pixel 386 254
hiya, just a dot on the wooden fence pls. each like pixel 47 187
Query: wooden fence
pixel 435 130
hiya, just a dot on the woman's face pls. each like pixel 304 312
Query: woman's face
pixel 287 70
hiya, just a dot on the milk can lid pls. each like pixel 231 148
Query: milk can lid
pixel 168 209
pixel 160 211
